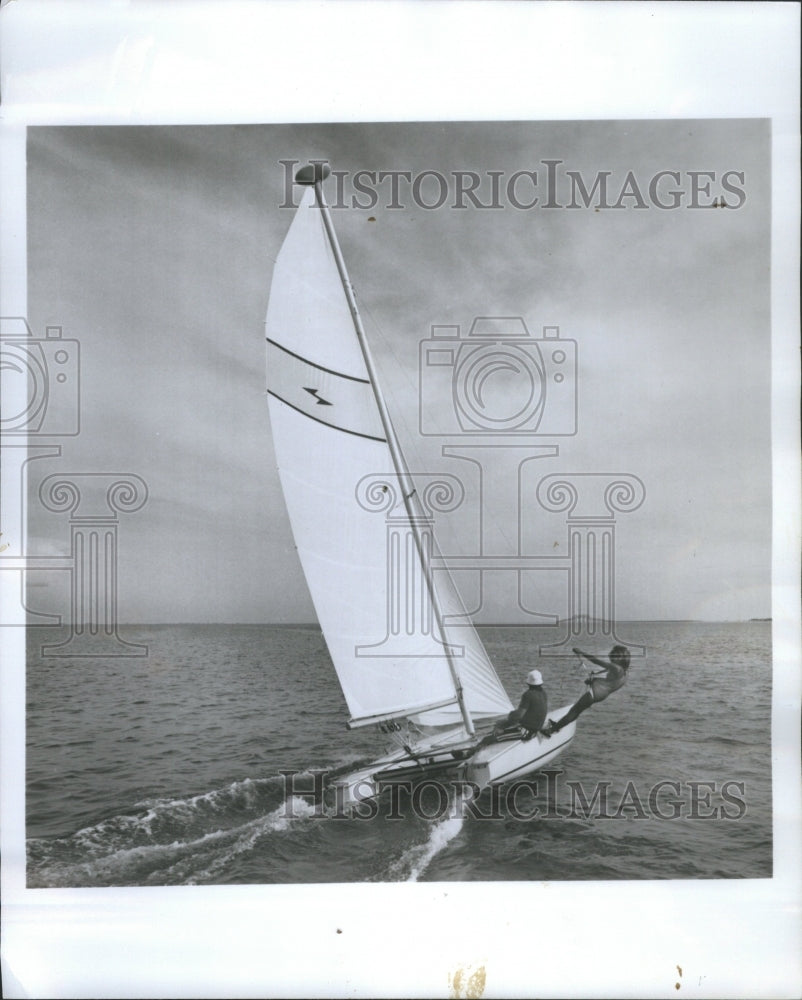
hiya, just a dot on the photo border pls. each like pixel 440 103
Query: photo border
pixel 191 62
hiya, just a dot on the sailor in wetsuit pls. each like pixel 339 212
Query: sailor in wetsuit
pixel 600 686
pixel 531 711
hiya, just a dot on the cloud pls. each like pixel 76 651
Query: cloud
pixel 154 247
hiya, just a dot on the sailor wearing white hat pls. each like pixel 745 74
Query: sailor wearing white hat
pixel 532 708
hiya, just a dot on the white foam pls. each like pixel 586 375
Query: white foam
pixel 441 835
pixel 111 859
pixel 417 859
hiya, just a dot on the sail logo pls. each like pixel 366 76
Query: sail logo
pixel 318 398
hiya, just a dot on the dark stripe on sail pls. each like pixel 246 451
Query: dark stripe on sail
pixel 341 401
pixel 306 361
pixel 325 423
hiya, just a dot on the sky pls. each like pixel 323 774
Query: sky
pixel 154 246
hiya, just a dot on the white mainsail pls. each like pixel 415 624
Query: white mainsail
pixel 331 437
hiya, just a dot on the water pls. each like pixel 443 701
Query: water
pixel 166 770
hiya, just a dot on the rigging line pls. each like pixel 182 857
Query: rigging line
pixel 411 432
pixel 411 438
pixel 401 368
pixel 513 544
pixel 411 435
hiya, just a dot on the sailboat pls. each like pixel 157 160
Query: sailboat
pixel 432 689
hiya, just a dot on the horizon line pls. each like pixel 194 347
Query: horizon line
pixel 314 624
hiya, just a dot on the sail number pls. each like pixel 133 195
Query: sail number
pixel 390 727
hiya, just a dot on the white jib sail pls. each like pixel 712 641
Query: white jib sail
pixel 353 533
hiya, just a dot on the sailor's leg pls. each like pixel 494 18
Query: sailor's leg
pixel 506 724
pixel 573 712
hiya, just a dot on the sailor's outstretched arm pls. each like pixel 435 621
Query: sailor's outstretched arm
pixel 593 659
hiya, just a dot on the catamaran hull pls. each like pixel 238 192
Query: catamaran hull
pixel 499 763
pixel 493 763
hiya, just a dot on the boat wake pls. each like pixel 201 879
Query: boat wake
pixel 416 859
pixel 175 841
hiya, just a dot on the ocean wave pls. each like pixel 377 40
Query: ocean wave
pixel 727 741
pixel 168 841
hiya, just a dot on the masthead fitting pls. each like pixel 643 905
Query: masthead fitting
pixel 312 173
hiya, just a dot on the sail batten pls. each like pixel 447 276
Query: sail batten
pixel 331 432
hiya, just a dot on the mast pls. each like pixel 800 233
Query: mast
pixel 315 173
